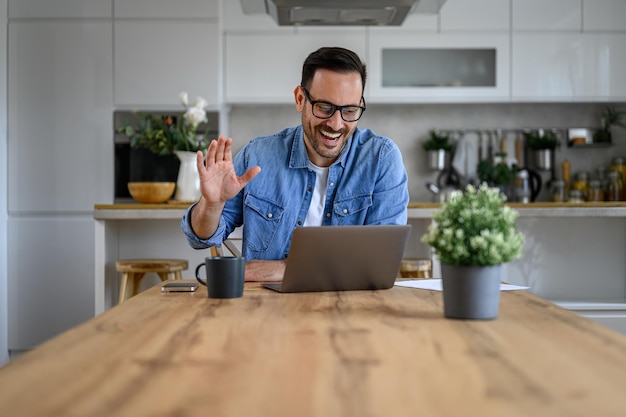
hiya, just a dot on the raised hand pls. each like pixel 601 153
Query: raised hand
pixel 218 180
pixel 218 184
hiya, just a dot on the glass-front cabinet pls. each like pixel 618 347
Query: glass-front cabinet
pixel 414 67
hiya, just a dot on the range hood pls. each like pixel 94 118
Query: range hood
pixel 340 12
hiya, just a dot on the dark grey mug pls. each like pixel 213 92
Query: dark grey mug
pixel 224 276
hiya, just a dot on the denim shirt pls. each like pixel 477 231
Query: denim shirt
pixel 366 185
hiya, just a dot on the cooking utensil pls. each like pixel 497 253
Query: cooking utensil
pixel 439 195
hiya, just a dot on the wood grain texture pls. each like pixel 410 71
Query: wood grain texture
pixel 362 353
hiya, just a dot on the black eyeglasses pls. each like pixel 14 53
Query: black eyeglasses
pixel 324 110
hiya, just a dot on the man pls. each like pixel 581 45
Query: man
pixel 323 172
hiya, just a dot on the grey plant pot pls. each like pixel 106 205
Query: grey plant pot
pixel 471 292
pixel 544 159
pixel 437 159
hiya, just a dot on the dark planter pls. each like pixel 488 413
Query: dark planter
pixel 146 166
pixel 471 292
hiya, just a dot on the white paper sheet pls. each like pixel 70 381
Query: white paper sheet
pixel 435 285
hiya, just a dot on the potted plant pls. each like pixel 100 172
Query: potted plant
pixel 610 117
pixel 472 235
pixel 160 140
pixel 543 143
pixel 495 174
pixel 438 146
pixel 163 134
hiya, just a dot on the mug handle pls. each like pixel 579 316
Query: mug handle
pixel 198 274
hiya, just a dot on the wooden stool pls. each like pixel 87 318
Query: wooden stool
pixel 133 270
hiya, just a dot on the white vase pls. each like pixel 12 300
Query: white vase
pixel 188 181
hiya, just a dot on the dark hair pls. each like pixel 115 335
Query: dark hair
pixel 334 59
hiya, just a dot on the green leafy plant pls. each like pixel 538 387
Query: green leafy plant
pixel 438 141
pixel 494 174
pixel 164 134
pixel 475 228
pixel 610 117
pixel 540 140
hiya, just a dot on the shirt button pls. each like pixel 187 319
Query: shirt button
pixel 299 223
pixel 332 184
pixel 344 211
pixel 309 189
pixel 269 215
pixel 327 214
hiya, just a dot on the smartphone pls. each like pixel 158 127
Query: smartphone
pixel 179 287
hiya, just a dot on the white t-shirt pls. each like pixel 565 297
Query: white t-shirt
pixel 316 210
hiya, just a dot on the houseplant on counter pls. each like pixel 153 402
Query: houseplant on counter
pixel 166 136
pixel 543 143
pixel 472 235
pixel 610 117
pixel 495 173
pixel 438 146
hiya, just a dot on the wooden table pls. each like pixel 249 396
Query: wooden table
pixel 365 353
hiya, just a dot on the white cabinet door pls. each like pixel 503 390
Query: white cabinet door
pixel 603 15
pixel 560 15
pixel 481 15
pixel 497 44
pixel 50 285
pixel 59 8
pixel 156 60
pixel 59 97
pixel 579 67
pixel 167 8
pixel 258 69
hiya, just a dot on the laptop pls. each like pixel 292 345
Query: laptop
pixel 343 258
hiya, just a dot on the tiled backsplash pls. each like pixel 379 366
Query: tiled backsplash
pixel 409 125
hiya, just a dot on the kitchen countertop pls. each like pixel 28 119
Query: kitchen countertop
pixel 354 353
pixel 417 210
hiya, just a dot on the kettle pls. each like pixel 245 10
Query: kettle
pixel 526 186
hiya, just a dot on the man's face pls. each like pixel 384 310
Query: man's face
pixel 325 139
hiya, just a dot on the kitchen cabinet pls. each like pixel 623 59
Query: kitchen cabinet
pixel 59 8
pixel 570 67
pixel 447 82
pixel 156 59
pixel 540 15
pixel 4 241
pixel 258 70
pixel 477 15
pixel 169 9
pixel 50 272
pixel 59 95
pixel 60 160
pixel 604 15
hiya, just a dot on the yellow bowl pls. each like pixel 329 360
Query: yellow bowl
pixel 151 192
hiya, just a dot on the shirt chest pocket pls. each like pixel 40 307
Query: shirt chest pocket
pixel 263 217
pixel 352 210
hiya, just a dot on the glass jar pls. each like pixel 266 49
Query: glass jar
pixel 619 164
pixel 602 172
pixel 581 182
pixel 595 192
pixel 616 187
pixel 558 191
pixel 576 196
